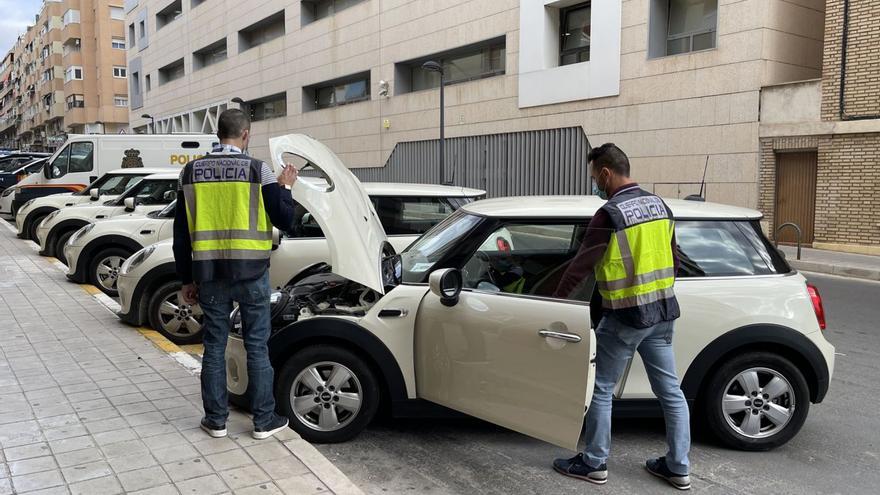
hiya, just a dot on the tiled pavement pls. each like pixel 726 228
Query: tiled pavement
pixel 89 406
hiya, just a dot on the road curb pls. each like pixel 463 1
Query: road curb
pixel 839 270
pixel 325 470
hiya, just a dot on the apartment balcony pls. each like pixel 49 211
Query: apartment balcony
pixel 55 111
pixel 75 116
pixel 72 30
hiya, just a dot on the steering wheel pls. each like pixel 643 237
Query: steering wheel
pixel 480 272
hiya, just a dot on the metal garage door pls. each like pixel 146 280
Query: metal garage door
pixel 549 161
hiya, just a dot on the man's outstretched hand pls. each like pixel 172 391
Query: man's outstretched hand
pixel 288 176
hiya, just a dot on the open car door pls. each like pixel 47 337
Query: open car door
pixel 339 204
pixel 525 363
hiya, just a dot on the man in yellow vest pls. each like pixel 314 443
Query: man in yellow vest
pixel 222 242
pixel 630 246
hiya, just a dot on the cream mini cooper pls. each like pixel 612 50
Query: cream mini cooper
pixel 465 318
pixel 148 285
pixel 153 192
pixel 95 253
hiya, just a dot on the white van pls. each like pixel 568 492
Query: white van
pixel 84 158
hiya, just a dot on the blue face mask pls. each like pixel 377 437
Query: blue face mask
pixel 598 191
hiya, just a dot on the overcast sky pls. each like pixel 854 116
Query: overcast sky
pixel 15 16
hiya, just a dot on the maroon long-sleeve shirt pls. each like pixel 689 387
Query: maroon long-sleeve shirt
pixel 593 249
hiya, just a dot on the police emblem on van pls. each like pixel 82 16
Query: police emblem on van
pixel 132 159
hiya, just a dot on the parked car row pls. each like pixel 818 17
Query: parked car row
pixel 429 298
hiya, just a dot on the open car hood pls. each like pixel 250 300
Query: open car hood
pixel 338 202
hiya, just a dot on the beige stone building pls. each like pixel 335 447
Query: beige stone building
pixel 820 139
pixel 531 83
pixel 66 74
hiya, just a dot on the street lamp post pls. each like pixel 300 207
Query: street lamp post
pixel 152 122
pixel 436 67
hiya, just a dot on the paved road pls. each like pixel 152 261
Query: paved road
pixel 837 451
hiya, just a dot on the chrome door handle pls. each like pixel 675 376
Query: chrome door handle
pixel 568 337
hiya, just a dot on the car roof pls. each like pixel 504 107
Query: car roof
pixel 404 189
pixel 144 171
pixel 163 176
pixel 586 206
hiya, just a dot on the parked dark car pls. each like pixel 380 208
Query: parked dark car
pixel 11 173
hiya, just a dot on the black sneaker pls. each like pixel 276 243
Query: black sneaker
pixel 216 431
pixel 658 468
pixel 576 467
pixel 277 424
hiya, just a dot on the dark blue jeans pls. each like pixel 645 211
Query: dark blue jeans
pixel 252 296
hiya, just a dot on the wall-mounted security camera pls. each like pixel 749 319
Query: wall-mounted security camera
pixel 383 88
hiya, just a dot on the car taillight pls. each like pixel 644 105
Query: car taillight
pixel 816 299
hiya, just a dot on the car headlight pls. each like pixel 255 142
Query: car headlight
pixel 9 192
pixel 80 233
pixel 49 217
pixel 137 258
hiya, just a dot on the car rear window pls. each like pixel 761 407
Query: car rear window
pixel 718 248
pixel 411 215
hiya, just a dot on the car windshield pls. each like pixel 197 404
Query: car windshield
pixel 112 184
pixel 150 192
pixel 167 212
pixel 421 257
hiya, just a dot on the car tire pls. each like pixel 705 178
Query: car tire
pixel 773 401
pixel 172 320
pixel 31 227
pixel 59 245
pixel 108 261
pixel 361 384
pixel 242 402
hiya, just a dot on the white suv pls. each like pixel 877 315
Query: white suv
pixel 441 323
pixel 148 285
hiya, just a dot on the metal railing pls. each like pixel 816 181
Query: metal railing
pixel 797 228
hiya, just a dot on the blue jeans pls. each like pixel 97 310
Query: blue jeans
pixel 615 347
pixel 252 296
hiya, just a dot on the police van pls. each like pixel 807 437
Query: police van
pixel 84 158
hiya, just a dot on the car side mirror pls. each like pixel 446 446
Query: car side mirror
pixel 446 284
pixel 306 219
pixel 276 238
pixel 170 196
pixel 130 204
pixel 95 194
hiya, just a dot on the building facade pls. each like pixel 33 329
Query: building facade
pixel 820 139
pixel 66 74
pixel 675 83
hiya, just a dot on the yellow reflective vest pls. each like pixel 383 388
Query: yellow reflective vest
pixel 229 228
pixel 635 277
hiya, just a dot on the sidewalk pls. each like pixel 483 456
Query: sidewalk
pixel 89 406
pixel 833 262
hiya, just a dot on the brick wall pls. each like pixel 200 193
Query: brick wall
pixel 862 59
pixel 847 188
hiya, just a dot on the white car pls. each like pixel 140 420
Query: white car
pixel 95 253
pixel 148 285
pixel 435 325
pixel 153 192
pixel 106 188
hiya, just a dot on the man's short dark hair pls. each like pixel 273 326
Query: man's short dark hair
pixel 611 157
pixel 232 123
